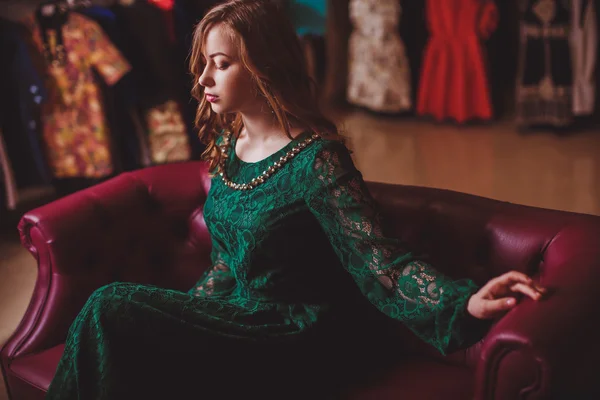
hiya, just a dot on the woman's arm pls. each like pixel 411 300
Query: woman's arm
pixel 217 280
pixel 408 289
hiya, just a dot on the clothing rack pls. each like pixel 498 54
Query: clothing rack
pixel 153 126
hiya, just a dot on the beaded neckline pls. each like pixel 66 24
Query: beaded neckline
pixel 270 171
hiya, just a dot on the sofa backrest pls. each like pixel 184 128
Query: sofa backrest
pixel 480 238
pixel 476 237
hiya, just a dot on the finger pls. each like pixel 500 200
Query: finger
pixel 526 290
pixel 514 276
pixel 539 288
pixel 492 307
pixel 506 279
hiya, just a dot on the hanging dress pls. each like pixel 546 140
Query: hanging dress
pixel 545 77
pixel 584 50
pixel 75 130
pixel 378 70
pixel 158 78
pixel 454 82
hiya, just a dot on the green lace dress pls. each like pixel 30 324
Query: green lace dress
pixel 294 262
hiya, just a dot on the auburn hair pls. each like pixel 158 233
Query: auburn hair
pixel 271 52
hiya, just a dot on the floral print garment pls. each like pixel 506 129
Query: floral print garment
pixel 75 130
pixel 167 133
pixel 379 72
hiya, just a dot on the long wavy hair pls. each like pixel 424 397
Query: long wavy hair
pixel 271 52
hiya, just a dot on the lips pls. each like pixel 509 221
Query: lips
pixel 211 97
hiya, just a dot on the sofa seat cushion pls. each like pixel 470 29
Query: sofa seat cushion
pixel 413 378
pixel 419 379
pixel 38 369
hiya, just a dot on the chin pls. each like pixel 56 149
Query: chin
pixel 219 109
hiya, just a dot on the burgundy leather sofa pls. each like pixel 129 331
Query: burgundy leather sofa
pixel 147 226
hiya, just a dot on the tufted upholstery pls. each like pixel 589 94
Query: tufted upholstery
pixel 147 226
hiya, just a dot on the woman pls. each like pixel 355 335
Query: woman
pixel 297 251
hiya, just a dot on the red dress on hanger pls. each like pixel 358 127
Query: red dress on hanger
pixel 454 82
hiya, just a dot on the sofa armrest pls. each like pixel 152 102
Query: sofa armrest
pixel 144 226
pixel 549 349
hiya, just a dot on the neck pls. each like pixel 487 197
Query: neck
pixel 260 126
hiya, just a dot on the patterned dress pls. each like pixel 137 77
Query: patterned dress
pixel 378 70
pixel 75 129
pixel 167 133
pixel 298 264
pixel 545 76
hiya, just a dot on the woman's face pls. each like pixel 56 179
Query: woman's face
pixel 227 84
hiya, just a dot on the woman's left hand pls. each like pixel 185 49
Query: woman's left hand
pixel 498 295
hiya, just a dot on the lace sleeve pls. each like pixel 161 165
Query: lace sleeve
pixel 217 280
pixel 405 288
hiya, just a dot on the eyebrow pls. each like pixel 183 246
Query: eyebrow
pixel 218 53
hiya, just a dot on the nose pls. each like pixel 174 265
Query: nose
pixel 205 79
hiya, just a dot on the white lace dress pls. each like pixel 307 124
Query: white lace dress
pixel 378 70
